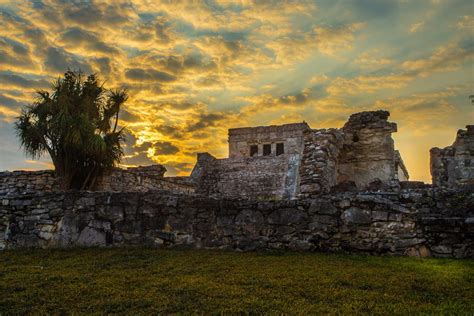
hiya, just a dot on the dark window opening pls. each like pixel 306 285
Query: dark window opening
pixel 267 149
pixel 355 138
pixel 280 150
pixel 253 150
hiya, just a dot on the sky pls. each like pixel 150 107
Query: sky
pixel 195 69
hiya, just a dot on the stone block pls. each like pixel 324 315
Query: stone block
pixel 45 235
pixel 344 204
pixel 300 245
pixel 355 215
pixel 379 216
pixel 287 217
pixel 442 249
pixel 325 219
pixel 91 237
pixel 310 188
pixel 101 225
pixel 469 221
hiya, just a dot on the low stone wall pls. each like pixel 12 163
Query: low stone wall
pixel 268 177
pixel 422 222
pixel 143 179
pixel 18 182
pixel 130 179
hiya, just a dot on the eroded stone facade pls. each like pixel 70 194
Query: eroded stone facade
pixel 294 160
pixel 453 166
pixel 368 152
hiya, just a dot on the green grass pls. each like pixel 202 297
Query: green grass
pixel 144 281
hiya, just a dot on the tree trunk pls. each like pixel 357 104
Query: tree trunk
pixel 89 174
pixel 65 178
pixel 97 173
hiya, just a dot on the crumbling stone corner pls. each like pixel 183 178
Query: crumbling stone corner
pixel 453 166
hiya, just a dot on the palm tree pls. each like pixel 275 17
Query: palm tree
pixel 76 124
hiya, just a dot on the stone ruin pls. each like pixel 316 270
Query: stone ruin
pixel 453 166
pixel 286 187
pixel 286 162
pixel 293 160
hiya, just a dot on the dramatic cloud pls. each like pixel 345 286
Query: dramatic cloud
pixel 74 38
pixel 11 79
pixel 366 84
pixel 138 74
pixel 165 148
pixel 335 39
pixel 446 58
pixel 57 59
pixel 193 69
pixel 372 60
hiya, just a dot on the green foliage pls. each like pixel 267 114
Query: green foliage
pixel 76 124
pixel 149 281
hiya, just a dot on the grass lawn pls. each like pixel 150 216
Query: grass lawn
pixel 144 281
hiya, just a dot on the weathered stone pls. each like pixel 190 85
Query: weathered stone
pixel 91 237
pixel 370 225
pixel 86 201
pixel 224 221
pixel 287 216
pixel 328 208
pixel 469 221
pixel 404 243
pixel 442 249
pixel 102 225
pixel 45 235
pixel 300 245
pixel 395 217
pixel 284 230
pixel 453 166
pixel 345 186
pixel 355 215
pixel 379 216
pixel 325 219
pixel 344 204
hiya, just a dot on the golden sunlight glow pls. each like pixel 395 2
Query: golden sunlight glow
pixel 195 69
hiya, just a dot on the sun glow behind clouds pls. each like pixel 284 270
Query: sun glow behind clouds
pixel 193 70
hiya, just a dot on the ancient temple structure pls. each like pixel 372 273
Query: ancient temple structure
pixel 292 160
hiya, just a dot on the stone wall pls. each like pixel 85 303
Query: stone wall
pixel 144 178
pixel 453 166
pixel 320 157
pixel 23 182
pixel 291 135
pixel 130 179
pixel 424 222
pixel 368 153
pixel 268 177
